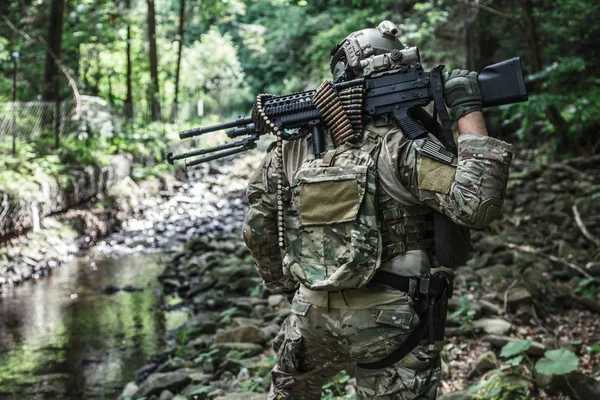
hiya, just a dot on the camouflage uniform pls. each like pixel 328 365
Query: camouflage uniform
pixel 331 331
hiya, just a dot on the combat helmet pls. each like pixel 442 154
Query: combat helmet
pixel 360 45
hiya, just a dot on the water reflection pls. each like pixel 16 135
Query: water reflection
pixel 60 338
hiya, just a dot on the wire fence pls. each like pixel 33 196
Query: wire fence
pixel 28 120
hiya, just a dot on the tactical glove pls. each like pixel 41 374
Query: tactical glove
pixel 461 92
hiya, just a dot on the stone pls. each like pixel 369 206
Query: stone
pixel 166 395
pixel 485 362
pixel 489 244
pixel 242 334
pixel 492 325
pixel 270 331
pixel 456 396
pixel 575 385
pixel 241 321
pixel 129 390
pixel 158 382
pixel 172 365
pixel 519 295
pixel 244 396
pixel 249 349
pixel 489 307
pixel 494 273
pixel 276 299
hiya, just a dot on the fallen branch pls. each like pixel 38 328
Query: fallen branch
pixel 506 296
pixel 539 253
pixel 582 227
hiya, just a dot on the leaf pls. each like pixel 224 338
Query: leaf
pixel 513 348
pixel 595 348
pixel 557 362
pixel 478 387
pixel 515 361
pixel 492 393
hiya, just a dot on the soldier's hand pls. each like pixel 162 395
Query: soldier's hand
pixel 461 92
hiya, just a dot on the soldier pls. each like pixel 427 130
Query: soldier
pixel 361 242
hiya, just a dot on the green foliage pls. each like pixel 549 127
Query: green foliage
pixel 513 348
pixel 498 385
pixel 206 357
pixel 335 388
pixel 594 349
pixel 227 314
pixel 557 362
pixel 587 287
pixel 464 314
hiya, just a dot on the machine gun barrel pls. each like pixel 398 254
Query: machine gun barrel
pixel 213 128
pixel 239 146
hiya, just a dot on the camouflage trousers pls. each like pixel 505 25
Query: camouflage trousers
pixel 314 344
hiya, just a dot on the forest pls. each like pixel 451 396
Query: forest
pixel 121 275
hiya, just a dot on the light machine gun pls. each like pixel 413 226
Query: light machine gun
pixel 394 83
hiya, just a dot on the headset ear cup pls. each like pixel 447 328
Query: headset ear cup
pixel 339 70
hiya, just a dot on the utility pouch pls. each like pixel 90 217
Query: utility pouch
pixel 333 237
pixel 452 241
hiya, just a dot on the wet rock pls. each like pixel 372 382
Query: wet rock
pixel 485 362
pixel 242 334
pixel 109 289
pixel 146 370
pixel 172 365
pixel 158 382
pixel 492 325
pixel 129 390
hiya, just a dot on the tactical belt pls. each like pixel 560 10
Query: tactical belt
pixel 436 290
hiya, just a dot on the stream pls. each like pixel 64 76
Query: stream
pixel 62 338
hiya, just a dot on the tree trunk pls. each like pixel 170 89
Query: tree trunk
pixel 181 33
pixel 129 97
pixel 535 58
pixel 473 46
pixel 154 90
pixel 55 29
pixel 530 27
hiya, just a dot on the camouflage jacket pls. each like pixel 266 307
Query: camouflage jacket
pixel 470 190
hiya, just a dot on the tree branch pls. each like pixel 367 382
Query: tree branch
pixel 582 227
pixel 65 71
pixel 539 253
pixel 494 12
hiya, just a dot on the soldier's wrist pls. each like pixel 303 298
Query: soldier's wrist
pixel 472 122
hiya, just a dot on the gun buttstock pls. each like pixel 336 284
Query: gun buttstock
pixel 503 83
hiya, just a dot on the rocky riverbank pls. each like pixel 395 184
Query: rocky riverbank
pixel 531 277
